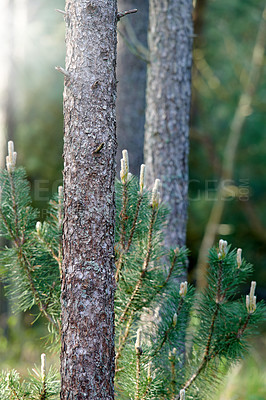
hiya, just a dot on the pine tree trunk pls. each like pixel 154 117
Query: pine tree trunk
pixel 87 355
pixel 168 108
pixel 131 75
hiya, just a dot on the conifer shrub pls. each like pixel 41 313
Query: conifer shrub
pixel 152 360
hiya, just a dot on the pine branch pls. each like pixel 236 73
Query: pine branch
pixel 167 332
pixel 23 231
pixel 242 329
pixel 43 394
pixel 18 242
pixel 123 341
pixel 131 234
pixel 123 218
pixel 176 251
pixel 137 376
pixel 13 391
pixel 170 272
pixel 173 379
pixel 138 362
pixel 133 228
pixel 144 268
pixel 206 358
pixel 50 250
pixel 60 257
pixel 13 197
pixel 7 225
pixel 60 224
pixel 25 264
pixel 148 386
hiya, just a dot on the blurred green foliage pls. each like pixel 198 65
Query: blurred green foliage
pixel 247 380
pixel 222 57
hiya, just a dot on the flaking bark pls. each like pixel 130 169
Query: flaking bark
pixel 168 108
pixel 87 356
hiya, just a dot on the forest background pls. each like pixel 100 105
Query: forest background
pixel 32 45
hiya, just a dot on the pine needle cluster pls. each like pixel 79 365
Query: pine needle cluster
pixel 40 385
pixel 32 263
pixel 153 314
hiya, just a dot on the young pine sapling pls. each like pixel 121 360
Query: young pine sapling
pixel 148 362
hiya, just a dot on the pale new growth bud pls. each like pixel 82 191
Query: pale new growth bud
pixel 253 304
pixel 252 289
pixel 239 258
pixel 60 192
pixel 174 319
pixel 176 251
pixel 38 227
pixel 222 248
pixel 125 158
pixel 156 196
pixel 7 377
pixel 11 158
pixel 43 367
pixel 251 299
pixel 247 302
pixel 142 178
pixel 129 176
pixel 149 372
pixel 138 340
pixel 182 394
pixel 123 173
pixel 183 289
pixel 10 147
pixel 172 354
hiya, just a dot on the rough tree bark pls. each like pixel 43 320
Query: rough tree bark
pixel 87 356
pixel 131 75
pixel 168 107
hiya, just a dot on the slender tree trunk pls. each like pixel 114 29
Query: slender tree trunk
pixel 87 356
pixel 168 107
pixel 131 74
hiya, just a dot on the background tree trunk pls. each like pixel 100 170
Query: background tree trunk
pixel 87 356
pixel 8 81
pixel 131 75
pixel 168 107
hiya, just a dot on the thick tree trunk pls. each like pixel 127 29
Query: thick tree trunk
pixel 131 74
pixel 168 108
pixel 87 356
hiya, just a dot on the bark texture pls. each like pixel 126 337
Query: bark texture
pixel 168 99
pixel 131 75
pixel 87 356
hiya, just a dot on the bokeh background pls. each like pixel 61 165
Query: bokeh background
pixel 226 34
